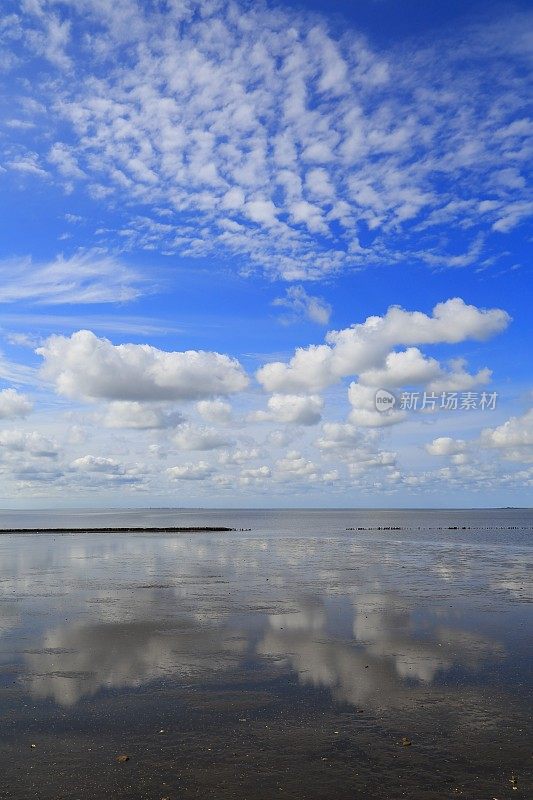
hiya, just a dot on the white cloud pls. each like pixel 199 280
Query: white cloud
pixel 31 442
pixel 364 460
pixel 512 441
pixel 261 211
pixel 54 35
pixel 139 416
pixel 345 441
pixel 228 97
pixel 27 164
pixel 408 368
pixel 13 404
pixel 191 472
pixel 255 474
pixel 295 466
pixel 84 365
pixel 91 463
pixel 303 305
pixel 446 446
pixel 61 156
pixel 22 339
pixel 280 438
pixel 214 410
pixel 189 437
pixel 291 409
pixel 515 432
pixel 239 456
pixel 457 379
pixel 86 277
pixel 337 436
pixel 404 368
pixel 365 347
pixel 364 412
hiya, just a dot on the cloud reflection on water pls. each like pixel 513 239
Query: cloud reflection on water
pixel 121 612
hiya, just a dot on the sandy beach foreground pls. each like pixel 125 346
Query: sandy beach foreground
pixel 296 660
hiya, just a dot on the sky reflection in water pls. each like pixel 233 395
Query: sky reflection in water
pixel 372 621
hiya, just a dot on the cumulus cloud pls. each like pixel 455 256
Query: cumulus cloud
pixel 446 446
pixel 363 460
pixel 91 463
pixel 13 404
pixel 139 416
pixel 407 368
pixel 295 467
pixel 255 475
pixel 338 436
pixel 364 348
pixel 214 410
pixel 239 456
pixel 191 472
pixel 354 447
pixel 515 432
pixel 85 277
pixel 457 379
pixel 141 384
pixel 190 437
pixel 300 305
pixel 84 365
pixel 364 411
pixel 30 442
pixel 292 409
pixel 512 440
pixel 403 368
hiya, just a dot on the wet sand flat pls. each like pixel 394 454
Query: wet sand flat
pixel 298 659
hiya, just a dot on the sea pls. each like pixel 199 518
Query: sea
pixel 305 654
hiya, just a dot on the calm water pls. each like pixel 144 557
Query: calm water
pixel 290 660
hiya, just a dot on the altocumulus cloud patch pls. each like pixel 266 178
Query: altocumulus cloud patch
pixel 270 136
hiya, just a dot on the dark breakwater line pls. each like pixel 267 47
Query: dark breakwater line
pixel 446 528
pixel 158 529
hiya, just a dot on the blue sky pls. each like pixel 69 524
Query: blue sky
pixel 226 226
